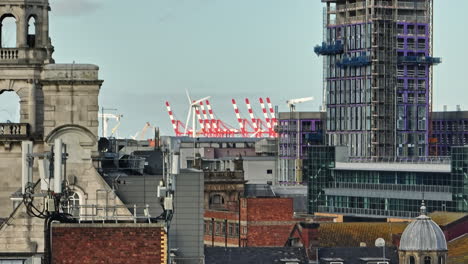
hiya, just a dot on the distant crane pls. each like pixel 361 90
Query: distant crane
pixel 194 107
pixel 105 117
pixel 293 102
pixel 142 134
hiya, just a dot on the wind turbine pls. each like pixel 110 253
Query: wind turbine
pixel 193 104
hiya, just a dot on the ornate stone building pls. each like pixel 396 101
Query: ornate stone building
pixel 423 242
pixel 56 101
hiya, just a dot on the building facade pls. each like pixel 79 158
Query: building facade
pixel 296 131
pixel 449 129
pixel 378 76
pixel 388 188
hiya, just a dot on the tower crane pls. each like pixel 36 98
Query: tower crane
pixel 293 102
pixel 143 131
pixel 105 117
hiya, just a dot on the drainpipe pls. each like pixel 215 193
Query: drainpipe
pixel 212 232
pixel 239 221
pixel 225 232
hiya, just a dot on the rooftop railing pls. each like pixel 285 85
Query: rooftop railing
pixel 391 187
pixel 408 160
pixel 114 213
pixel 368 212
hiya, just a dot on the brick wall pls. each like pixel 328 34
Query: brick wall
pixel 108 243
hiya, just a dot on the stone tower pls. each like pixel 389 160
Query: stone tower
pixel 423 242
pixel 56 101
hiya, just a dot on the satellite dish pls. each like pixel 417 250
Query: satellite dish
pixel 380 242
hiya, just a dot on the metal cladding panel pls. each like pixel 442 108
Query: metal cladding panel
pixel 423 234
pixel 186 232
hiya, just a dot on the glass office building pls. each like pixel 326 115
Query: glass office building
pixel 386 188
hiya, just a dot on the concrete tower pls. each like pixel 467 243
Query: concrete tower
pixel 378 76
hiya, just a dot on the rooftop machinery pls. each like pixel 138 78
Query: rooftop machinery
pixel 209 125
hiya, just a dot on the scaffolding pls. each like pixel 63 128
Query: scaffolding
pixel 384 43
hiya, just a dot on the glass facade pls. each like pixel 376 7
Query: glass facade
pixel 355 189
pixel 460 178
pixel 317 168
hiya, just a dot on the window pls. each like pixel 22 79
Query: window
pixel 441 260
pixel 31 32
pixel 10 107
pixel 217 199
pixel 73 204
pixel 427 260
pixel 8 32
pixel 269 171
pixel 244 230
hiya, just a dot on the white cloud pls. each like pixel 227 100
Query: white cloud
pixel 74 7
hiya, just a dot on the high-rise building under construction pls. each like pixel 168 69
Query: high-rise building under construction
pixel 378 76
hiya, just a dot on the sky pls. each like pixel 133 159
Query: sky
pixel 150 51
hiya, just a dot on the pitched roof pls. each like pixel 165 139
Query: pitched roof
pixel 457 250
pixel 356 255
pixel 352 234
pixel 445 218
pixel 258 255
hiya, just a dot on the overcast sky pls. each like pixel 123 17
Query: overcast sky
pixel 150 51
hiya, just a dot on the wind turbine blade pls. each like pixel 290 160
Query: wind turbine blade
pixel 188 96
pixel 203 99
pixel 188 119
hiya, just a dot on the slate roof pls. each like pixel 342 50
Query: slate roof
pixel 356 255
pixel 254 255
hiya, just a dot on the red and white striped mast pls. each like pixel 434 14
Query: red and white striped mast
pixel 267 118
pixel 258 132
pixel 213 120
pixel 272 112
pixel 200 121
pixel 207 121
pixel 173 121
pixel 243 130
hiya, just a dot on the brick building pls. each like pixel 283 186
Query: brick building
pixel 109 243
pixel 259 222
pixel 239 215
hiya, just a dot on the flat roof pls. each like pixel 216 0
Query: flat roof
pixel 393 166
pixel 301 115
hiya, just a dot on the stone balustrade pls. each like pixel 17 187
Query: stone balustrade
pixel 14 130
pixel 22 55
pixel 9 54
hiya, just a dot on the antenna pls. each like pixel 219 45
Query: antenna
pixel 44 173
pixel 58 160
pixel 26 166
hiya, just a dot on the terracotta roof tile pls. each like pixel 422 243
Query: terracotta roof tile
pixel 352 234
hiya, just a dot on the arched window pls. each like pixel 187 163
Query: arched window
pixel 31 32
pixel 9 107
pixel 411 260
pixel 73 204
pixel 8 35
pixel 427 260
